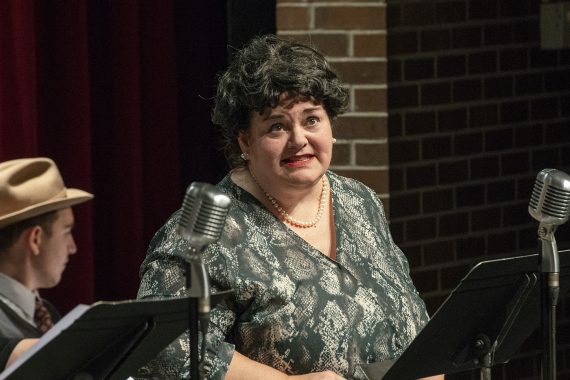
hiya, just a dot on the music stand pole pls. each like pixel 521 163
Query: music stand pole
pixel 483 349
pixel 550 288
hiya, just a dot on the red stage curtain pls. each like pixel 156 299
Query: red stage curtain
pixel 97 86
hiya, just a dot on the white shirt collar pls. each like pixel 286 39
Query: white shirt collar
pixel 18 294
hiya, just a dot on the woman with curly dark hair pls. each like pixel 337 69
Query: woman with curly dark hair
pixel 319 286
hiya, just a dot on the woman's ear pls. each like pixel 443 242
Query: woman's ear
pixel 243 141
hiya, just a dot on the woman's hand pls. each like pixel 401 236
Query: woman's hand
pixel 243 368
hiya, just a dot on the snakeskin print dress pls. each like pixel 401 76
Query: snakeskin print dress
pixel 293 308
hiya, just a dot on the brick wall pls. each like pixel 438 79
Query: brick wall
pixel 454 110
pixel 352 34
pixel 476 109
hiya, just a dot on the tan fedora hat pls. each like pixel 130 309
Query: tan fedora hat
pixel 33 186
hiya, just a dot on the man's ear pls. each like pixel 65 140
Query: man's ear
pixel 33 238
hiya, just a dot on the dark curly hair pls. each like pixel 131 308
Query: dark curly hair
pixel 264 69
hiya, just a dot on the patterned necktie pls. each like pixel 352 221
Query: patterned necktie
pixel 42 317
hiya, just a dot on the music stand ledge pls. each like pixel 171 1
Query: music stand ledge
pixel 483 322
pixel 108 340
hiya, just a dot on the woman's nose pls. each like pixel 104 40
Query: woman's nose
pixel 297 137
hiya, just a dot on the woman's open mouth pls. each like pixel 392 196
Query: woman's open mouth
pixel 296 161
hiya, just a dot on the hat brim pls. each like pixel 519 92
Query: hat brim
pixel 73 197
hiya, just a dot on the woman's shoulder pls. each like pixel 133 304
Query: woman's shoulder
pixel 342 183
pixel 234 186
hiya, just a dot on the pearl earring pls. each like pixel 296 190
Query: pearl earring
pixel 334 140
pixel 243 156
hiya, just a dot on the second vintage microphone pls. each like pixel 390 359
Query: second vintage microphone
pixel 550 206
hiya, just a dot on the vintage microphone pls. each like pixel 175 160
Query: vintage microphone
pixel 202 220
pixel 550 206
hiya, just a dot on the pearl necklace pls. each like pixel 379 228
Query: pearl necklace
pixel 288 218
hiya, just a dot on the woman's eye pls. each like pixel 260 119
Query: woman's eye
pixel 275 128
pixel 313 120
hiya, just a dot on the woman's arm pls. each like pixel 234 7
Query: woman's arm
pixel 243 368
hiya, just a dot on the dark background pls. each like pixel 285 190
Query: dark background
pixel 119 94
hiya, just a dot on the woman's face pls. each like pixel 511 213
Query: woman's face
pixel 289 145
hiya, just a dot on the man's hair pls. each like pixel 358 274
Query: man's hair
pixel 11 233
pixel 259 73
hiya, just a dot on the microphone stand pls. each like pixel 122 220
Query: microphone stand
pixel 198 286
pixel 550 269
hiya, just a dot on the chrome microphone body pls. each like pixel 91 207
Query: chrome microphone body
pixel 202 220
pixel 550 206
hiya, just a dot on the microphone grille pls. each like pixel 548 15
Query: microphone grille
pixel 535 196
pixel 550 199
pixel 203 215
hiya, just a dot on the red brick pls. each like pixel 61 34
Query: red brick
pixel 341 154
pixel 349 17
pixel 370 100
pixel 376 179
pixel 361 72
pixel 360 127
pixel 291 18
pixel 370 45
pixel 371 154
pixel 330 44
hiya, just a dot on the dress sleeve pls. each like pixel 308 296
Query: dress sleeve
pixel 163 276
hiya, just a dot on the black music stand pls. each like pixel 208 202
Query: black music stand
pixel 108 340
pixel 483 322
